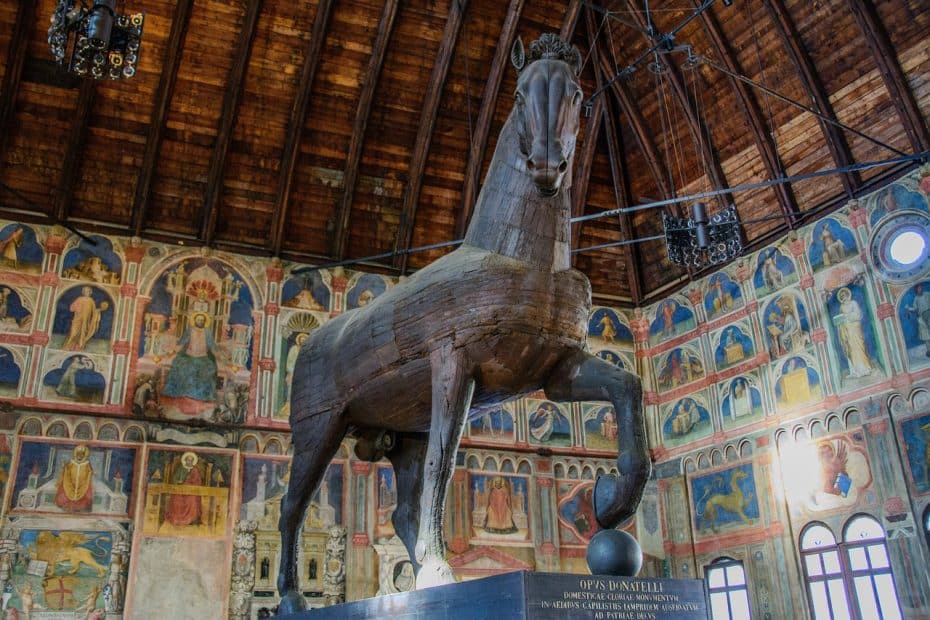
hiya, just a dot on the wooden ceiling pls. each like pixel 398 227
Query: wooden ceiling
pixel 324 130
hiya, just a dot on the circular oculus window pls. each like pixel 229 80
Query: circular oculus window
pixel 900 247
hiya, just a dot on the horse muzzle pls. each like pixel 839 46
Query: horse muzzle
pixel 548 178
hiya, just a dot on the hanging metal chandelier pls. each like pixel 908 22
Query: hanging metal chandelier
pixel 702 241
pixel 97 41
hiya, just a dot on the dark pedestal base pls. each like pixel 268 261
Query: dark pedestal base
pixel 534 596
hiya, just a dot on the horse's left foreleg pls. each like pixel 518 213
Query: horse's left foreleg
pixel 407 459
pixel 582 376
pixel 452 388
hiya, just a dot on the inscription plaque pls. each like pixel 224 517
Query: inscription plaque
pixel 535 596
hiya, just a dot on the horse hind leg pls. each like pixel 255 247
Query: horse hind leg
pixel 316 441
pixel 582 376
pixel 407 458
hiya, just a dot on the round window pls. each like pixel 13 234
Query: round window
pixel 900 246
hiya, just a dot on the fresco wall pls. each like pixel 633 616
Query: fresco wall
pixel 790 388
pixel 144 392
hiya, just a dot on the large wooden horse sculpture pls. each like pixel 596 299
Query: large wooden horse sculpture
pixel 500 317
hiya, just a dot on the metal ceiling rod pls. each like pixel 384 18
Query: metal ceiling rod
pixel 758 185
pixel 664 42
pixel 801 106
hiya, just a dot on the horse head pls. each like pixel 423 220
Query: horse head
pixel 546 108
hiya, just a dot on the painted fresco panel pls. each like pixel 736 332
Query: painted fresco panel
pixel 897 196
pixel 600 427
pixel 16 309
pixel 63 571
pixel 725 500
pixel 264 483
pixel 499 508
pixel 495 425
pixel 20 250
pixel 785 324
pixel 385 502
pixel 295 329
pixel 829 475
pixel 10 372
pixel 774 271
pixel 187 493
pixel 607 326
pixel 614 358
pixel 914 323
pixel 685 420
pixel 797 382
pixel 854 341
pixel 722 297
pixel 831 244
pixel 740 400
pixel 549 424
pixel 93 262
pixel 74 478
pixel 678 367
pixel 83 320
pixel 577 521
pixel 366 287
pixel 306 291
pixel 915 433
pixel 196 343
pixel 75 378
pixel 672 319
pixel 733 345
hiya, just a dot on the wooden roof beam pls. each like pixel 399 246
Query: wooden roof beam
pixel 234 86
pixel 482 129
pixel 340 237
pixel 16 57
pixel 807 74
pixel 581 175
pixel 699 130
pixel 883 52
pixel 73 150
pixel 425 132
pixel 295 124
pixel 614 154
pixel 750 108
pixel 159 114
pixel 570 21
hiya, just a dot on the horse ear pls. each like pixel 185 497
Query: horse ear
pixel 574 60
pixel 518 55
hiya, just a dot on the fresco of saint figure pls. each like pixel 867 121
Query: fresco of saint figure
pixel 493 425
pixel 606 325
pixel 672 319
pixel 784 321
pixel 685 421
pixel 548 425
pixel 734 348
pixel 679 367
pixel 853 332
pixel 741 402
pixel 914 323
pixel 76 379
pixel 723 295
pixel 187 493
pixel 193 371
pixel 94 262
pixel 19 249
pixel 14 315
pixel 797 384
pixel 83 320
pixel 306 292
pixel 774 271
pixel 831 244
pixel 499 506
pixel 362 291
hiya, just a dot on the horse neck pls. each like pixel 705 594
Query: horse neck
pixel 511 218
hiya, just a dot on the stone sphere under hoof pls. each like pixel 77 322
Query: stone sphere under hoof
pixel 615 553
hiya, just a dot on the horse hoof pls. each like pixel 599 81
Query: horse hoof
pixel 291 603
pixel 434 573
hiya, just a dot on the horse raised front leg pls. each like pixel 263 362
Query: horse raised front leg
pixel 313 450
pixel 452 389
pixel 407 458
pixel 582 376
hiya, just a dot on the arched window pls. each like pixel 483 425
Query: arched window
pixel 870 568
pixel 823 573
pixel 727 589
pixel 851 579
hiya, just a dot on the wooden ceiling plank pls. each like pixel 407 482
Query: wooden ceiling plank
pixel 425 132
pixel 618 182
pixel 817 94
pixel 581 175
pixel 16 57
pixel 750 108
pixel 570 21
pixel 224 134
pixel 340 237
pixel 163 95
pixel 296 122
pixel 74 148
pixel 879 44
pixel 486 116
pixel 644 137
pixel 699 130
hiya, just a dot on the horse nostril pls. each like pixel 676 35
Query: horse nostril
pixel 530 165
pixel 563 166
